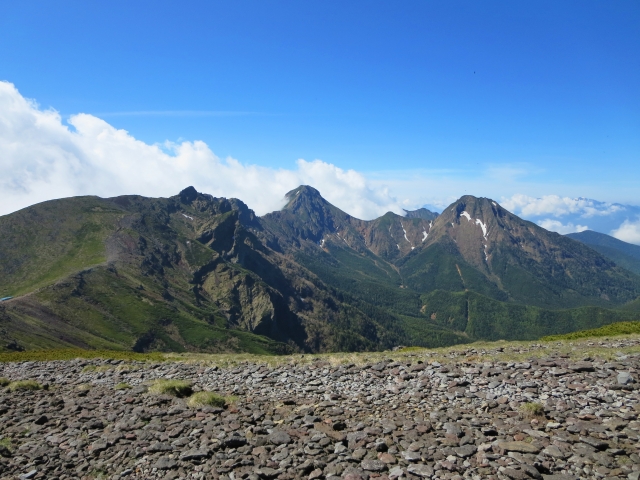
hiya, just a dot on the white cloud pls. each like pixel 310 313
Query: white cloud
pixel 556 226
pixel 628 232
pixel 41 158
pixel 558 206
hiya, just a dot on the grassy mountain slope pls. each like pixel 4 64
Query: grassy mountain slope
pixel 113 273
pixel 51 240
pixel 107 309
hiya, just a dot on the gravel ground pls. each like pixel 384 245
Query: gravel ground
pixel 550 416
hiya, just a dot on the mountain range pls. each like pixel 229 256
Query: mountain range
pixel 199 273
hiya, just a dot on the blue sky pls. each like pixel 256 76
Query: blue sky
pixel 428 100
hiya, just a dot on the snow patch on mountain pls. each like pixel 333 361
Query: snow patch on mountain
pixel 483 226
pixel 405 232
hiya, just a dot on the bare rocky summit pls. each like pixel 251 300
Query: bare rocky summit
pixel 514 412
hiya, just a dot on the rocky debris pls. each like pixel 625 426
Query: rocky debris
pixel 410 419
pixel 625 378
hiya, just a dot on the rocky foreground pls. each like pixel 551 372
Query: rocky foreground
pixel 461 414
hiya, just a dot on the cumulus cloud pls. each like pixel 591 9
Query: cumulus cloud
pixel 559 227
pixel 628 232
pixel 558 206
pixel 42 158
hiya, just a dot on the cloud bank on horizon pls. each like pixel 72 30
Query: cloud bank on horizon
pixel 41 158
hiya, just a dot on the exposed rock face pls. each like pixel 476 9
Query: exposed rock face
pixel 309 218
pixel 412 417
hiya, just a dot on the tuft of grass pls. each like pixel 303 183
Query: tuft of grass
pixel 122 386
pixel 84 387
pixel 532 409
pixel 206 399
pixel 22 385
pixel 4 381
pixel 5 444
pixel 176 388
pixel 89 368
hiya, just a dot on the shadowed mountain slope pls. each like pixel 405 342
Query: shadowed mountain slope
pixel 624 254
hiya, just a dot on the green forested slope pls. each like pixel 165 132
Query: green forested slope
pixel 481 317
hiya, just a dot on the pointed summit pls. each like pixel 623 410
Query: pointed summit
pixel 304 197
pixel 304 190
pixel 306 216
pixel 188 195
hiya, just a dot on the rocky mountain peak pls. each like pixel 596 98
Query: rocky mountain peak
pixel 304 190
pixel 476 217
pixel 473 206
pixel 306 198
pixel 306 216
pixel 188 195
pixel 204 205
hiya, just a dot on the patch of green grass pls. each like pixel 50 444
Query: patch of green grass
pixel 176 388
pixel 206 399
pixel 532 409
pixel 84 387
pixel 619 328
pixel 22 385
pixel 122 386
pixel 98 474
pixel 6 443
pixel 4 381
pixel 89 368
